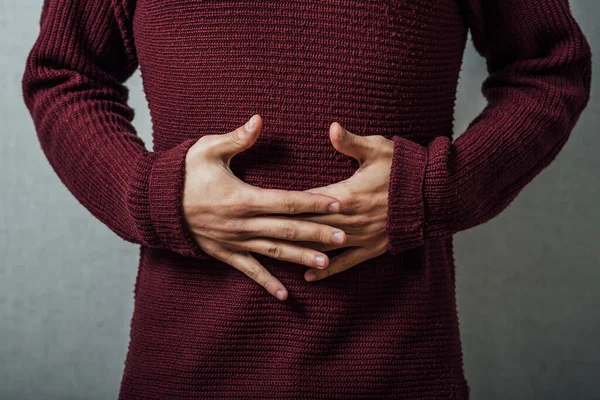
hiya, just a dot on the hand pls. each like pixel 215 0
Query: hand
pixel 364 198
pixel 222 211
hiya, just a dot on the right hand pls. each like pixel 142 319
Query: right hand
pixel 228 217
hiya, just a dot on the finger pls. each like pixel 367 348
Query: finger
pixel 246 263
pixel 348 143
pixel 293 229
pixel 279 201
pixel 327 219
pixel 329 190
pixel 340 263
pixel 281 250
pixel 320 246
pixel 239 139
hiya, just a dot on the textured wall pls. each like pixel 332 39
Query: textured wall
pixel 528 281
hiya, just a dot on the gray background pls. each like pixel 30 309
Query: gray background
pixel 528 281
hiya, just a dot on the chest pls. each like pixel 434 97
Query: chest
pixel 297 30
pixel 387 63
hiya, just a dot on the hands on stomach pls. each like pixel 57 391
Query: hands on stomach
pixel 228 217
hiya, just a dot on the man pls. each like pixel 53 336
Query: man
pixel 352 106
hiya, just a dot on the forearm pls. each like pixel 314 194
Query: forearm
pixel 539 84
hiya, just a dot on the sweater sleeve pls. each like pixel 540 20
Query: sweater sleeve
pixel 539 76
pixel 73 87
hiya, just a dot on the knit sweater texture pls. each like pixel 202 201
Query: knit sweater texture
pixel 384 329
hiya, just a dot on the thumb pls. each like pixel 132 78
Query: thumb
pixel 241 138
pixel 348 143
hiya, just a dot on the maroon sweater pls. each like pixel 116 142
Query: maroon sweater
pixel 385 329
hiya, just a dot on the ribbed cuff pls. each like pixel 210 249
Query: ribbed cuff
pixel 165 195
pixel 156 201
pixel 406 206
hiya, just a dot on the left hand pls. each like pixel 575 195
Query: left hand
pixel 364 199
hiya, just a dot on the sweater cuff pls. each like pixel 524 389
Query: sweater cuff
pixel 406 206
pixel 159 180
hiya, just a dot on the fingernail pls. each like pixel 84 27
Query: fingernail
pixel 334 207
pixel 310 276
pixel 280 293
pixel 338 237
pixel 250 124
pixel 320 260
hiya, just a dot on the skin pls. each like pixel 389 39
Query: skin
pixel 228 218
pixel 364 199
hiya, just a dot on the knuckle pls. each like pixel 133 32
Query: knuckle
pixel 350 200
pixel 316 205
pixel 323 235
pixel 240 208
pixel 265 282
pixel 252 272
pixel 274 251
pixel 288 231
pixel 304 258
pixel 289 205
pixel 234 137
pixel 241 204
pixel 352 142
pixel 236 226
